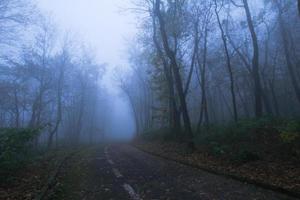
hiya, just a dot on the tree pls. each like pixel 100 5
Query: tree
pixel 174 112
pixel 228 60
pixel 14 15
pixel 63 60
pixel 178 41
pixel 175 70
pixel 255 62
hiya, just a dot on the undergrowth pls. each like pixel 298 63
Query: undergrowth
pixel 16 149
pixel 243 141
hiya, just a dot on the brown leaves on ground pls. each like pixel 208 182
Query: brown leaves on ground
pixel 26 183
pixel 275 173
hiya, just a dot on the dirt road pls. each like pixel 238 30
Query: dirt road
pixel 122 172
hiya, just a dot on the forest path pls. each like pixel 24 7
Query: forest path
pixel 122 172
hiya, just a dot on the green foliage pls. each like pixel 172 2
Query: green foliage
pixel 15 147
pixel 291 132
pixel 288 137
pixel 242 155
pixel 244 130
pixel 217 149
pixel 245 141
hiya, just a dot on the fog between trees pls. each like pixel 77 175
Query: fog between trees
pixel 197 63
pixel 194 63
pixel 48 80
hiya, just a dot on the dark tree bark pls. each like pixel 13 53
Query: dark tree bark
pixel 82 105
pixel 255 63
pixel 17 110
pixel 174 112
pixel 37 109
pixel 59 105
pixel 244 103
pixel 204 109
pixel 265 77
pixel 274 98
pixel 229 67
pixel 266 101
pixel 194 56
pixel 178 79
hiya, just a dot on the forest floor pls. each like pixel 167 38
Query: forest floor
pixel 269 173
pixel 29 180
pixel 121 171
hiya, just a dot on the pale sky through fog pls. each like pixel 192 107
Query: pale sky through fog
pixel 107 28
pixel 102 24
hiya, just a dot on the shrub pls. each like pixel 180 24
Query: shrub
pixel 288 137
pixel 217 149
pixel 243 130
pixel 15 147
pixel 291 132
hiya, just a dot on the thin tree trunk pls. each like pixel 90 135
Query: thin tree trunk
pixel 264 77
pixel 243 102
pixel 274 97
pixel 59 107
pixel 267 101
pixel 204 110
pixel 194 56
pixel 17 110
pixel 229 67
pixel 255 63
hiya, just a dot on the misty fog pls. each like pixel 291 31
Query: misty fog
pixel 101 84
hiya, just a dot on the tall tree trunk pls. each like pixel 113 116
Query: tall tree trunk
pixel 267 101
pixel 178 80
pixel 174 113
pixel 32 120
pixel 244 103
pixel 274 98
pixel 265 77
pixel 255 63
pixel 204 109
pixel 82 104
pixel 229 67
pixel 17 110
pixel 59 107
pixel 134 110
pixel 194 57
pixel 79 119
